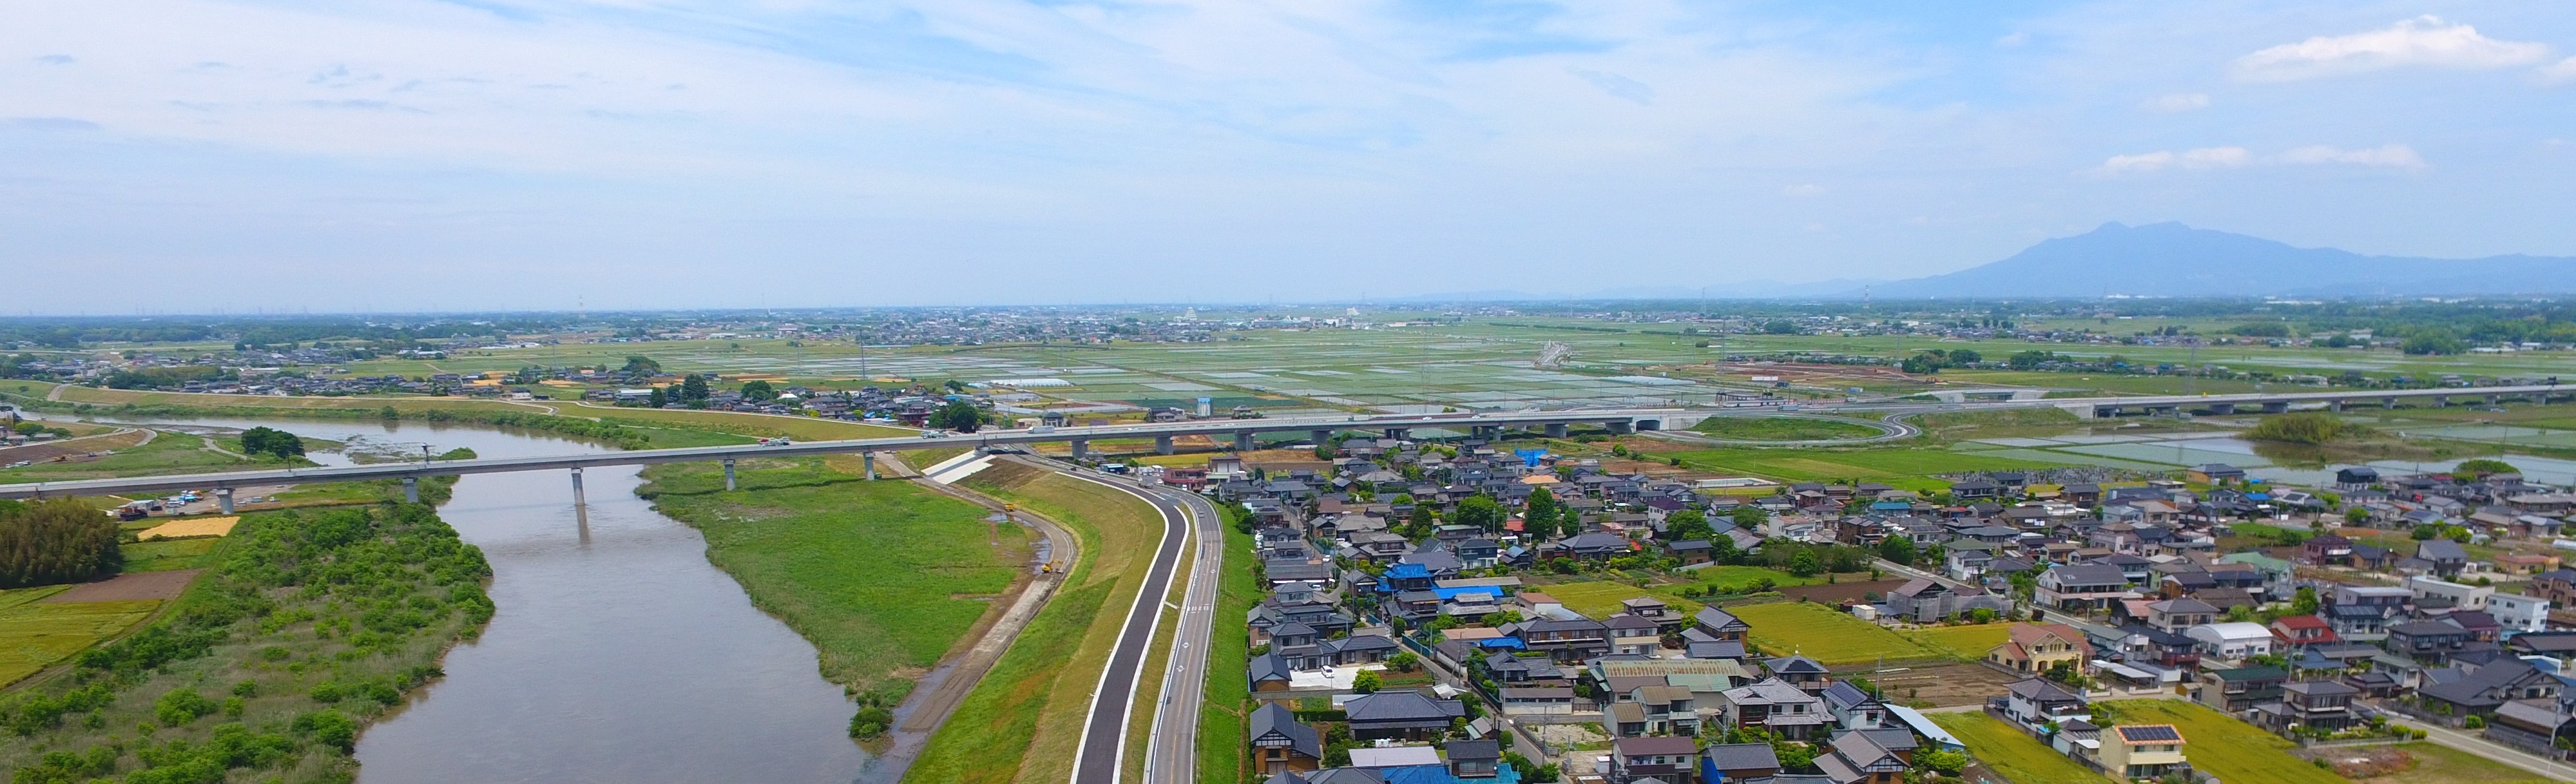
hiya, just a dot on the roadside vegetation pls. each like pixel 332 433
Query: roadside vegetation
pixel 883 577
pixel 1780 429
pixel 1021 723
pixel 310 625
pixel 1228 699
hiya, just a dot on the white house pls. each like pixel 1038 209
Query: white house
pixel 2519 613
pixel 2233 640
pixel 2466 598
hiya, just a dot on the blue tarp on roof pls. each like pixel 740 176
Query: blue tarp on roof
pixel 1439 774
pixel 1407 570
pixel 1513 643
pixel 1891 506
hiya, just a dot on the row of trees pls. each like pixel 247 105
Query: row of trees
pixel 53 542
pixel 271 442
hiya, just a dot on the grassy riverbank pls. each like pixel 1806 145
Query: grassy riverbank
pixel 1221 717
pixel 883 577
pixel 309 625
pixel 1021 723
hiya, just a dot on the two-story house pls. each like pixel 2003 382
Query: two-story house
pixel 1667 759
pixel 1563 640
pixel 2034 648
pixel 2081 587
pixel 2178 615
pixel 2034 702
pixel 2142 751
pixel 2240 689
pixel 2325 705
pixel 1774 705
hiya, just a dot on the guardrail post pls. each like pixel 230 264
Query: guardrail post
pixel 728 464
pixel 224 499
pixel 1162 445
pixel 411 489
pixel 868 460
pixel 577 498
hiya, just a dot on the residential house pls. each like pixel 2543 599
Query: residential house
pixel 1733 762
pixel 2482 690
pixel 1926 601
pixel 1633 635
pixel 1669 760
pixel 1856 758
pixel 2518 613
pixel 2428 642
pixel 2233 640
pixel 1774 705
pixel 2142 751
pixel 2447 557
pixel 2034 648
pixel 1799 671
pixel 1563 640
pixel 1852 708
pixel 2081 586
pixel 2239 689
pixel 1401 716
pixel 1281 744
pixel 2296 632
pixel 2034 702
pixel 2323 705
pixel 2176 615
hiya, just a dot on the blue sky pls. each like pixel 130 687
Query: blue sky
pixel 188 155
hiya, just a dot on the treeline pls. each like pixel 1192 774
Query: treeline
pixel 624 437
pixel 305 627
pixel 54 542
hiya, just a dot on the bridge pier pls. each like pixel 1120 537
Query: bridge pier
pixel 2335 406
pixel 577 498
pixel 411 489
pixel 224 499
pixel 2388 402
pixel 1243 442
pixel 2276 407
pixel 1162 445
pixel 1620 427
pixel 1556 430
pixel 2493 400
pixel 1081 448
pixel 1320 437
pixel 2222 409
pixel 728 464
pixel 1397 433
pixel 868 462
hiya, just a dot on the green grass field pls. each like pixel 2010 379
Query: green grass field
pixel 1600 599
pixel 166 554
pixel 2019 757
pixel 883 577
pixel 2235 752
pixel 1817 632
pixel 1966 642
pixel 1221 732
pixel 1780 429
pixel 35 635
pixel 169 453
pixel 1740 579
pixel 1824 465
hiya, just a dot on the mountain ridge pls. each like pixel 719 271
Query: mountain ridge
pixel 2171 259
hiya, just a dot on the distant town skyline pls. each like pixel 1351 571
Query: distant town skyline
pixel 402 156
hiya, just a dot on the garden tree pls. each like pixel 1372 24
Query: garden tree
pixel 2484 466
pixel 1481 511
pixel 1541 502
pixel 271 442
pixel 1804 564
pixel 693 390
pixel 1687 524
pixel 1404 662
pixel 1750 517
pixel 1794 757
pixel 1898 549
pixel 1721 549
pixel 1946 763
pixel 1421 522
pixel 1983 615
pixel 1933 554
pixel 57 541
pixel 2304 602
pixel 958 415
pixel 637 365
pixel 1367 682
pixel 657 398
pixel 758 390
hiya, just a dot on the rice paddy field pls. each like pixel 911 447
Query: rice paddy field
pixel 35 634
pixel 1818 632
pixel 1967 642
pixel 1600 599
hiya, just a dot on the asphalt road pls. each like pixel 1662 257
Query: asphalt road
pixel 1173 756
pixel 1097 759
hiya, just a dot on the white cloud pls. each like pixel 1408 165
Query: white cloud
pixel 2560 72
pixel 2015 39
pixel 1803 189
pixel 2199 158
pixel 2179 102
pixel 2397 156
pixel 2424 41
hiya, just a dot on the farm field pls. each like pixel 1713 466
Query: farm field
pixel 2433 764
pixel 37 634
pixel 1967 642
pixel 1600 599
pixel 1817 632
pixel 2232 750
pixel 1740 579
pixel 2017 756
pixel 883 577
pixel 1818 465
pixel 167 554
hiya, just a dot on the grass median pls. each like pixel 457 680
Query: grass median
pixel 1024 720
pixel 1221 717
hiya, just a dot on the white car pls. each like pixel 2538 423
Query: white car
pixel 934 434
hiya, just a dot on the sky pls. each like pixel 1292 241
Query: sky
pixel 406 155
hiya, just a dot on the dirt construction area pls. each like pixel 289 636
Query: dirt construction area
pixel 128 587
pixel 1941 683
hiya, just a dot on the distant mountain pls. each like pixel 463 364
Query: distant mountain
pixel 2174 260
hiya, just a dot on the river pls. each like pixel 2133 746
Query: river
pixel 617 654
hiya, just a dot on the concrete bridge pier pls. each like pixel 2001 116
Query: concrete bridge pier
pixel 1320 437
pixel 2441 401
pixel 2277 407
pixel 1396 432
pixel 2388 402
pixel 1243 442
pixel 577 498
pixel 1621 427
pixel 2334 406
pixel 2222 409
pixel 411 489
pixel 1081 448
pixel 868 464
pixel 2171 411
pixel 728 464
pixel 2492 400
pixel 1162 445
pixel 224 499
pixel 1556 430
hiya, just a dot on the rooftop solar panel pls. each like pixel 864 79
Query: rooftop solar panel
pixel 2150 733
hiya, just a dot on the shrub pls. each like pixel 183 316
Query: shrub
pixel 330 728
pixel 2302 428
pixel 178 707
pixel 57 541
